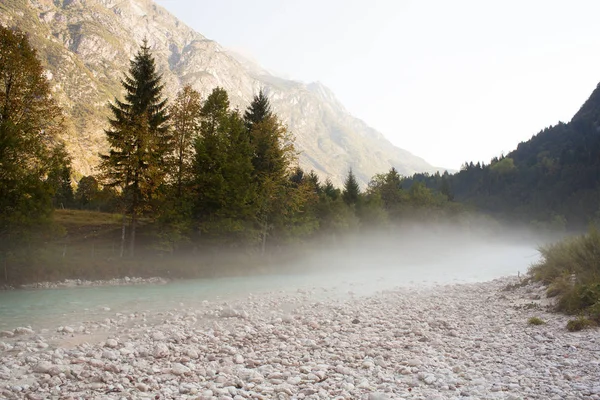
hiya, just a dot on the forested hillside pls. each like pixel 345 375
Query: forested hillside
pixel 551 180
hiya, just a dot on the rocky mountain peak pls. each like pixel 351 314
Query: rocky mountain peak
pixel 87 44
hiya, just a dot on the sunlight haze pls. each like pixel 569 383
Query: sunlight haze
pixel 449 81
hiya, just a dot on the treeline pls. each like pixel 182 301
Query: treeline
pixel 185 175
pixel 207 174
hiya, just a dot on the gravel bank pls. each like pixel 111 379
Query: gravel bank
pixel 448 342
pixel 69 283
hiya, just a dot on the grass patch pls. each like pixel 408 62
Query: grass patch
pixel 571 269
pixel 535 321
pixel 74 218
pixel 579 324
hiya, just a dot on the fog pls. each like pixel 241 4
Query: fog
pixel 415 255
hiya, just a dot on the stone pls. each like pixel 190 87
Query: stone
pixel 23 331
pixel 160 350
pixel 179 369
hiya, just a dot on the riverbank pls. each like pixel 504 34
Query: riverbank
pixel 467 340
pixel 71 283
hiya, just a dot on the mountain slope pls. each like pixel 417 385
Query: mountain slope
pixel 87 45
pixel 553 179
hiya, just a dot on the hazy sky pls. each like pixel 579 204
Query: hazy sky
pixel 450 81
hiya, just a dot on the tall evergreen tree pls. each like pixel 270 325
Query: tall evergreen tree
pixel 223 187
pixel 274 155
pixel 258 111
pixel 139 139
pixel 351 192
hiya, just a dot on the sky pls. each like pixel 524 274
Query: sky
pixel 450 81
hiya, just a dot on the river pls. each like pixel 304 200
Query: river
pixel 355 275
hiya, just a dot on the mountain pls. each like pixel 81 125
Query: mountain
pixel 86 46
pixel 552 180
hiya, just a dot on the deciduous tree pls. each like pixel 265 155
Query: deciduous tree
pixel 29 123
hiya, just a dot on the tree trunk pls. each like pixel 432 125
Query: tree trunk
pixel 123 228
pixel 133 226
pixel 264 239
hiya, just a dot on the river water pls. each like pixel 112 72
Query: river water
pixel 357 274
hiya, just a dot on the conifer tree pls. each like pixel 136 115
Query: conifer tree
pixel 274 155
pixel 331 191
pixel 258 111
pixel 351 192
pixel 139 139
pixel 223 187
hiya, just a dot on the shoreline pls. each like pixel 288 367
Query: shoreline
pixel 72 283
pixel 468 340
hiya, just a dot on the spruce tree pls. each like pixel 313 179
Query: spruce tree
pixel 258 111
pixel 351 192
pixel 274 155
pixel 139 139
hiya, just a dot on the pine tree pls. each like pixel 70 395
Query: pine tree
pixel 351 192
pixel 139 139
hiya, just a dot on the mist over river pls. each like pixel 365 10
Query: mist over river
pixel 409 319
pixel 335 274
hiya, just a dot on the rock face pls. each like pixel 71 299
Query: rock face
pixel 87 44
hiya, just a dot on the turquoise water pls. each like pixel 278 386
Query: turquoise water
pixel 363 274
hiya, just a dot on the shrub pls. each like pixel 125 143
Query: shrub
pixel 559 286
pixel 571 269
pixel 579 298
pixel 578 324
pixel 535 321
pixel 594 313
pixel 579 255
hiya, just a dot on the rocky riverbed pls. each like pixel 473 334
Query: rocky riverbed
pixel 444 342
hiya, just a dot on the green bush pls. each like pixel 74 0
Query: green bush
pixel 578 324
pixel 594 313
pixel 535 321
pixel 571 269
pixel 579 255
pixel 559 286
